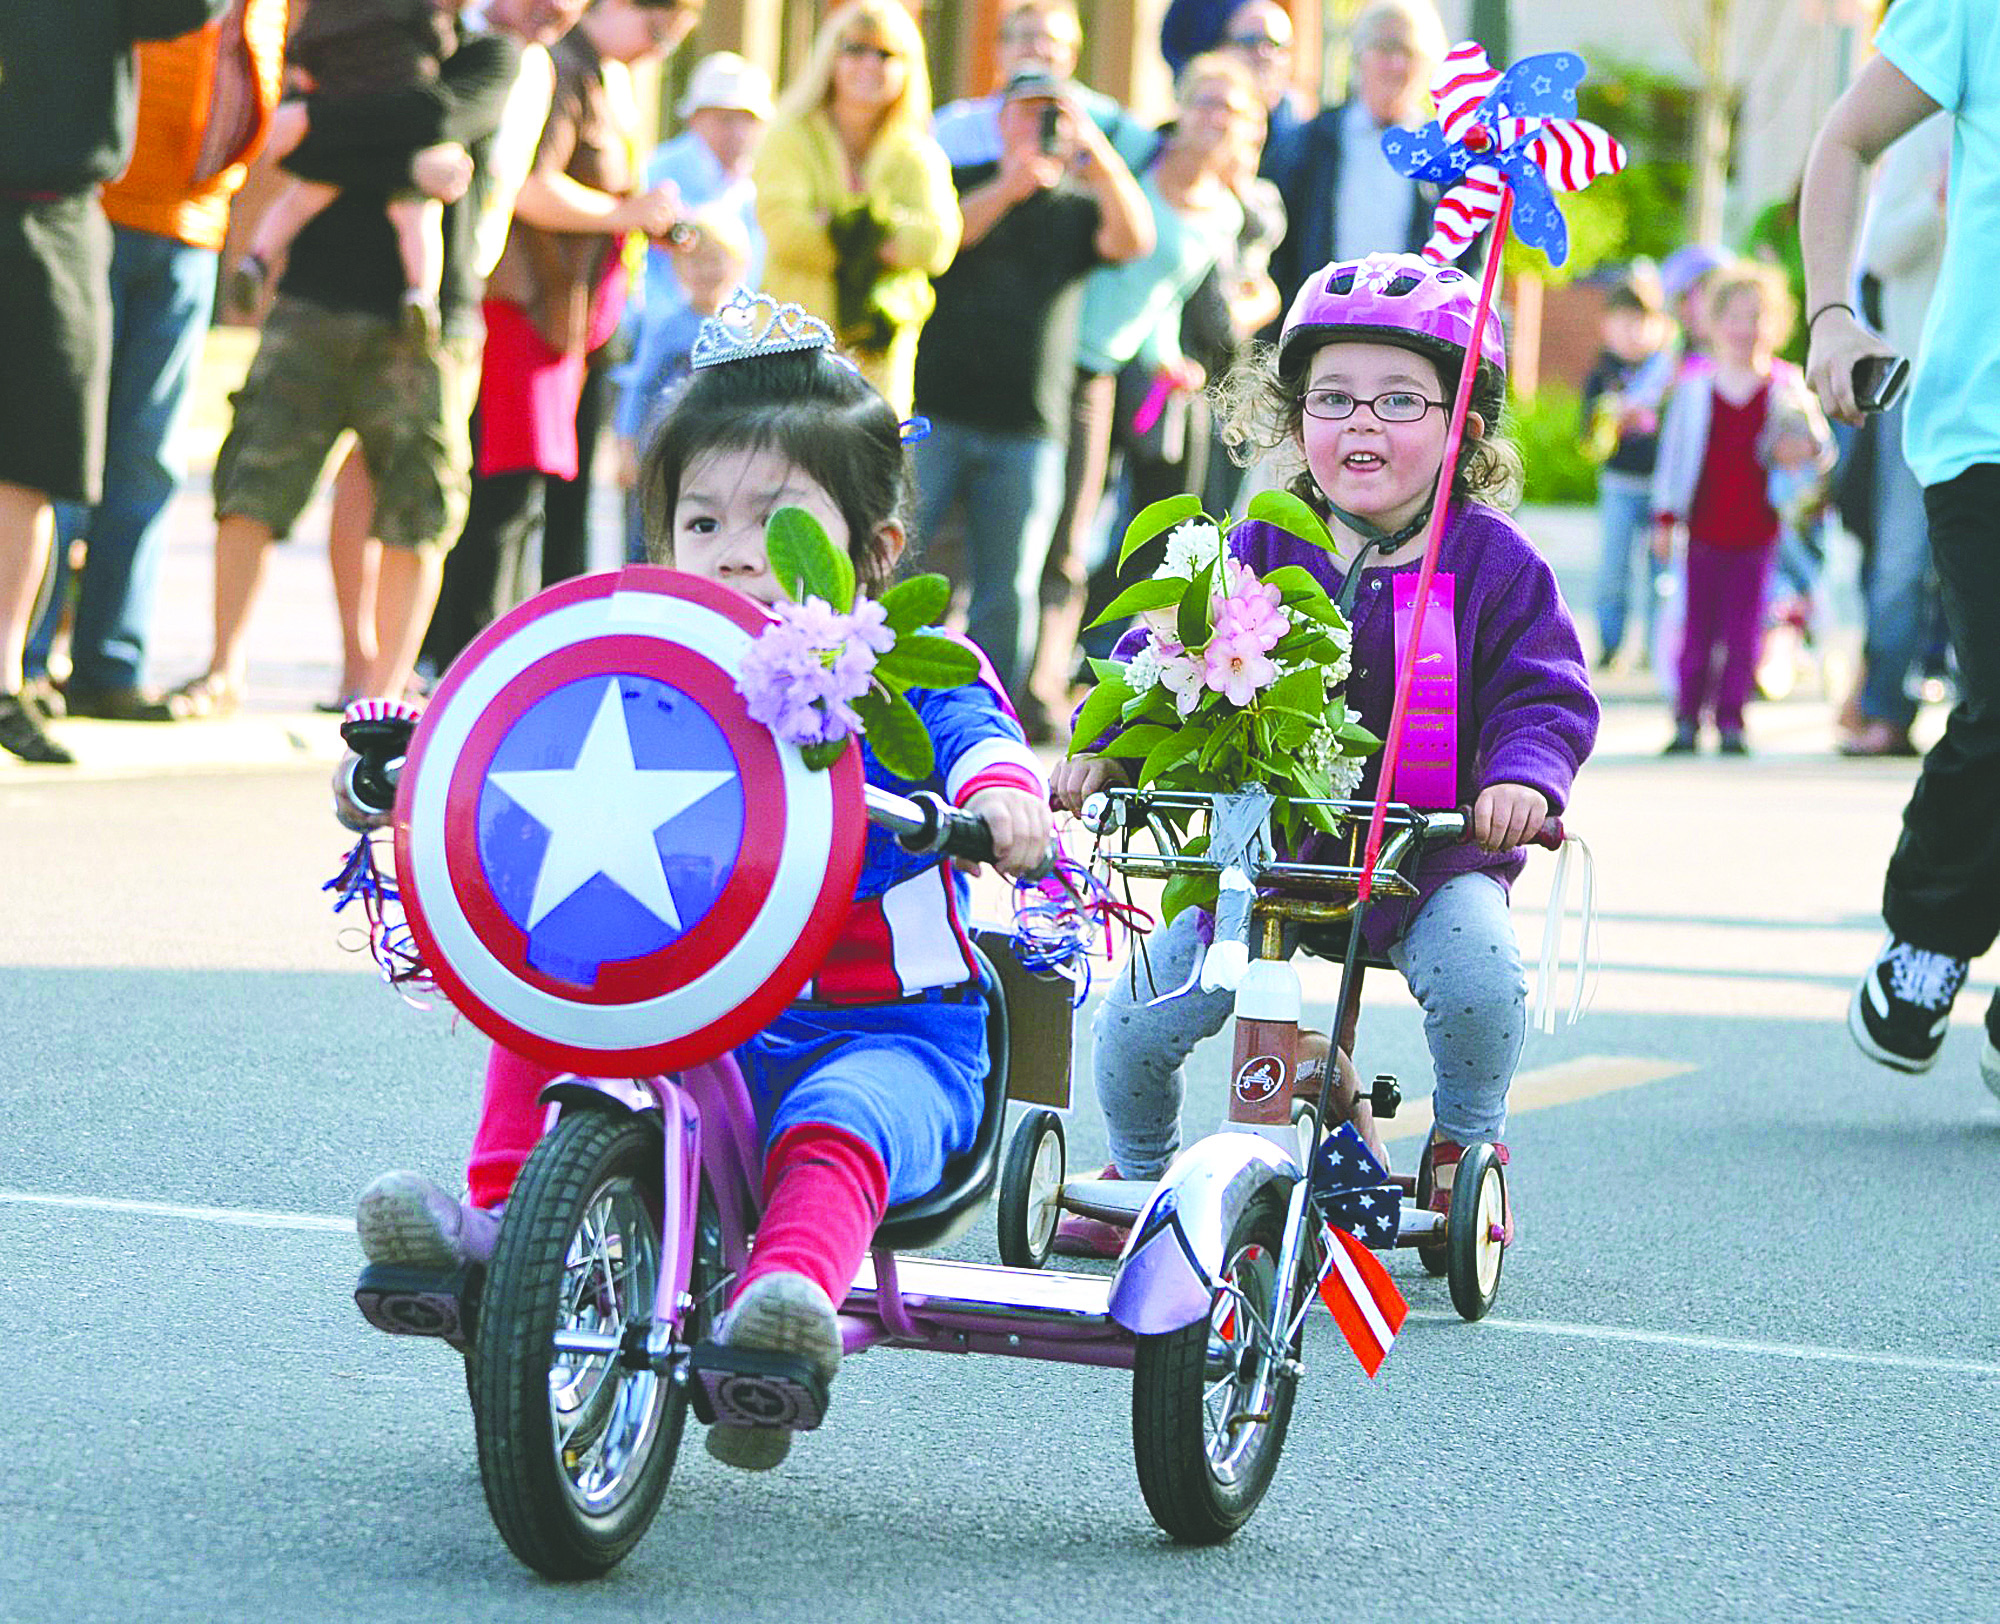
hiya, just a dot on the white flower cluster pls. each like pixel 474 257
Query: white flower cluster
pixel 1144 670
pixel 1191 548
pixel 1321 752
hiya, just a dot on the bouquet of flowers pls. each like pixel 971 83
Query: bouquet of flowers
pixel 834 664
pixel 1239 681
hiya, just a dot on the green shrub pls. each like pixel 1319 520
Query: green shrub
pixel 1549 431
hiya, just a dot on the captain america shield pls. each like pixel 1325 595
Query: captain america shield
pixel 607 865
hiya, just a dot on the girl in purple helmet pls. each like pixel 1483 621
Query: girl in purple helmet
pixel 1359 390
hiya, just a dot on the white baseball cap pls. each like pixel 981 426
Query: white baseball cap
pixel 724 79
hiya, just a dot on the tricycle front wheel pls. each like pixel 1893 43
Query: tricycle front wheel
pixel 575 1449
pixel 1211 1401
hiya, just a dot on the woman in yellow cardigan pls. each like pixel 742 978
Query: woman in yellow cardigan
pixel 854 197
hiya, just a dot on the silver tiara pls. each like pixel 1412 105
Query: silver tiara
pixel 756 324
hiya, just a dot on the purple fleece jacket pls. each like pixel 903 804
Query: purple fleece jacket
pixel 1526 711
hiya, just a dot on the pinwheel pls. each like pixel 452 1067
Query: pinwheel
pixel 1515 131
pixel 1503 145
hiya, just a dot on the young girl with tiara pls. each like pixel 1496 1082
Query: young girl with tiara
pixel 876 1075
pixel 1360 387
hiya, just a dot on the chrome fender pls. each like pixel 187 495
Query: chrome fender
pixel 1173 1261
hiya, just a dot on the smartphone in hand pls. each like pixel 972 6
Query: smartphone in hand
pixel 1050 135
pixel 1879 381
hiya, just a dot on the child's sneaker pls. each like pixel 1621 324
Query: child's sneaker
pixel 1989 1056
pixel 1078 1236
pixel 1902 1005
pixel 405 1220
pixel 783 1313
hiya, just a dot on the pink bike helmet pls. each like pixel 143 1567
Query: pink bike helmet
pixel 1394 299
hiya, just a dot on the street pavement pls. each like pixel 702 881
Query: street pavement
pixel 1743 1366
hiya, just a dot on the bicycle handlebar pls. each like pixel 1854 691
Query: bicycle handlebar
pixel 927 824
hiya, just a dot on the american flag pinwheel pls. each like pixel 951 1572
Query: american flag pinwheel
pixel 1497 130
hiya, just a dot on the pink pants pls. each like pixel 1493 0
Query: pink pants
pixel 1725 614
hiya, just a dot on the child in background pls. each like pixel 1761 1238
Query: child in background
pixel 1712 494
pixel 1361 392
pixel 708 269
pixel 348 48
pixel 862 1098
pixel 1623 431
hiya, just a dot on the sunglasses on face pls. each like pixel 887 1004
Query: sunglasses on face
pixel 1337 405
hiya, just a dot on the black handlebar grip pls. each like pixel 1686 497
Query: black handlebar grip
pixel 1551 835
pixel 378 732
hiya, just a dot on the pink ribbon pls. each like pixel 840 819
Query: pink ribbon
pixel 1427 763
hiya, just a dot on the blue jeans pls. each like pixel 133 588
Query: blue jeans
pixel 1900 588
pixel 1011 490
pixel 162 294
pixel 1624 505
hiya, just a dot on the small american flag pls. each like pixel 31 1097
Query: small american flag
pixel 1366 1304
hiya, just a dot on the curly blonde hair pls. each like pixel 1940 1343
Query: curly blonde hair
pixel 1259 409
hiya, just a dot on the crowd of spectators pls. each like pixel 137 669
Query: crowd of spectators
pixel 472 272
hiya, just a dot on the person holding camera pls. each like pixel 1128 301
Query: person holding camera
pixel 854 197
pixel 997 362
pixel 1941 896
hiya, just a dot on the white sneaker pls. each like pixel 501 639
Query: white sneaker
pixel 780 1313
pixel 405 1219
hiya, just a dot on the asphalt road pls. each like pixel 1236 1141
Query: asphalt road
pixel 1744 1364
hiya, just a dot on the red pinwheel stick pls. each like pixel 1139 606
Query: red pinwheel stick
pixel 1406 671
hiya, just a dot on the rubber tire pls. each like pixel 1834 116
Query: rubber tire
pixel 1017 1175
pixel 525 1489
pixel 1169 1447
pixel 1465 1235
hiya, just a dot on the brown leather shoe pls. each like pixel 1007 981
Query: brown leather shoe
pixel 127 705
pixel 1878 738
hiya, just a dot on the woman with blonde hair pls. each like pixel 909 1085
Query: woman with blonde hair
pixel 854 197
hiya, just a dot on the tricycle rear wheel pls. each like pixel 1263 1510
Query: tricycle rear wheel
pixel 1031 1185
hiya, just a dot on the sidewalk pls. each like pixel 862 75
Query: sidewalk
pixel 294 639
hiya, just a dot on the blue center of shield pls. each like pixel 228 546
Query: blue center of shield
pixel 610 822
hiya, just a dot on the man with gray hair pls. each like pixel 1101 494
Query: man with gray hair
pixel 1342 197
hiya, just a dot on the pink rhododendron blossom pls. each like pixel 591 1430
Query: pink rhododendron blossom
pixel 1236 668
pixel 1183 677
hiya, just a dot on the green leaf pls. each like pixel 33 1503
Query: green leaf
pixel 1106 670
pixel 920 601
pixel 1193 622
pixel 1186 891
pixel 926 660
pixel 1178 744
pixel 1297 584
pixel 1137 741
pixel 805 560
pixel 1156 517
pixel 1289 514
pixel 1296 691
pixel 1100 710
pixel 823 755
pixel 897 735
pixel 1144 595
pixel 1358 740
pixel 1221 739
pixel 1323 610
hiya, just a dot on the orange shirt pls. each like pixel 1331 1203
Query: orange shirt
pixel 205 101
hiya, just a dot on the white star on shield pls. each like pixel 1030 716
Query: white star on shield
pixel 601 815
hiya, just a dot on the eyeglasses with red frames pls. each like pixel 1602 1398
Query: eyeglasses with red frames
pixel 1396 406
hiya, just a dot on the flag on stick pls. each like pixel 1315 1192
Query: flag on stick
pixel 1366 1304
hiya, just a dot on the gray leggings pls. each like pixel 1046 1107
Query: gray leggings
pixel 1462 964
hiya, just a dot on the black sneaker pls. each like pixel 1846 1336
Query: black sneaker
pixel 1903 1004
pixel 1683 742
pixel 1989 1056
pixel 22 733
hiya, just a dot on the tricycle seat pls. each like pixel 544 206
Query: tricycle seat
pixel 948 1210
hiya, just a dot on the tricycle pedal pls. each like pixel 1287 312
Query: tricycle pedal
pixel 421 1302
pixel 755 1387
